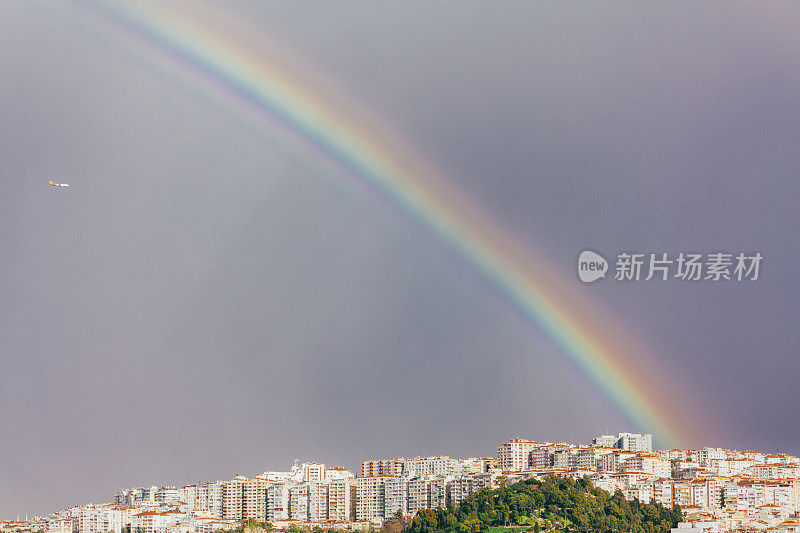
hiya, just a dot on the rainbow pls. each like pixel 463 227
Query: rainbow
pixel 608 356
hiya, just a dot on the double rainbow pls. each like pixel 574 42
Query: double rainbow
pixel 605 354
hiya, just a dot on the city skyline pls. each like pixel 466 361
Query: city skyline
pixel 716 488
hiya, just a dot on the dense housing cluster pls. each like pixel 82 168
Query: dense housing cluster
pixel 717 489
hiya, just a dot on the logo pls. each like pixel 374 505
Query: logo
pixel 591 266
pixel 663 266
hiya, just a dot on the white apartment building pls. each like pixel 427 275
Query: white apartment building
pixel 136 496
pixel 342 500
pixel 756 457
pixel 254 498
pixel 396 495
pixel 564 458
pixel 156 521
pixel 419 490
pixel 707 454
pixel 605 441
pixel 590 458
pixel 682 492
pixel 774 471
pixel 215 496
pixel 437 492
pixel 65 524
pixel 278 501
pixel 318 500
pixel 232 496
pixel 298 502
pixel 462 486
pixel 687 470
pixel 210 525
pixel 514 455
pixel 429 466
pixel 336 473
pixel 474 465
pixel 101 518
pixel 635 442
pixel 648 463
pixel 189 495
pixel 541 457
pixel 707 493
pixel 167 495
pixel 612 462
pixel 125 497
pixel 313 471
pixel 662 492
pixel 370 493
pixel 754 494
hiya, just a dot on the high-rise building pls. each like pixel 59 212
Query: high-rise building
pixel 430 466
pixel 278 501
pixel 341 500
pixel 232 498
pixel 370 494
pixel 382 467
pixel 215 498
pixel 514 455
pixel 318 500
pixel 634 442
pixel 313 471
pixel 395 496
pixel 254 498
pixel 606 441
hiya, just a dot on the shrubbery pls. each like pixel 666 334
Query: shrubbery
pixel 556 503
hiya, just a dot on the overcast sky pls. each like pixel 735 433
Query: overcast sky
pixel 203 302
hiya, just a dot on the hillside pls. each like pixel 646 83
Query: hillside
pixel 554 504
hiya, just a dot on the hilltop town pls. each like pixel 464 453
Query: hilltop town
pixel 718 490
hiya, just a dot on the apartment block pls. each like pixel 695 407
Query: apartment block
pixel 278 501
pixel 342 500
pixel 298 502
pixel 429 466
pixel 514 455
pixel 395 496
pixel 254 498
pixel 318 501
pixel 635 442
pixel 382 467
pixel 370 494
pixel 313 471
pixel 232 497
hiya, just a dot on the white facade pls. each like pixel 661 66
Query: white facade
pixel 254 498
pixel 370 501
pixel 313 471
pixel 429 466
pixel 514 455
pixel 278 501
pixel 342 500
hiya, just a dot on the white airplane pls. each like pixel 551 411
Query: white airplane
pixel 59 184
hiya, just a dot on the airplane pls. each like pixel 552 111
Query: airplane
pixel 59 184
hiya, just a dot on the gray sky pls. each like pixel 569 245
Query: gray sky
pixel 202 302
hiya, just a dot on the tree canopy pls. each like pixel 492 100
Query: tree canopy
pixel 555 503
